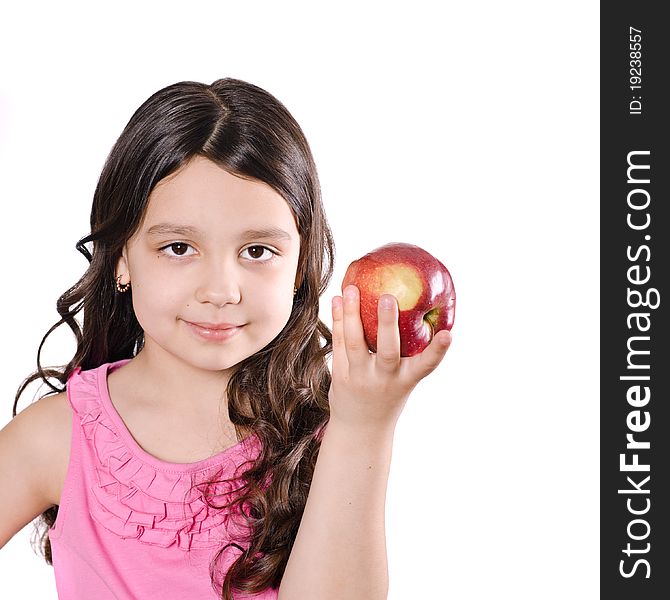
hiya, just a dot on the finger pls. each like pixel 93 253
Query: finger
pixel 427 361
pixel 354 338
pixel 339 352
pixel 388 334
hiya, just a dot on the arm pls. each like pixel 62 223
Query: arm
pixel 30 454
pixel 340 548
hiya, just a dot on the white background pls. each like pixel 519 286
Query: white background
pixel 467 128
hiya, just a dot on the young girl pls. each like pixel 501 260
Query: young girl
pixel 198 446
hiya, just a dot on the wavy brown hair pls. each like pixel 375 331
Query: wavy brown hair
pixel 281 392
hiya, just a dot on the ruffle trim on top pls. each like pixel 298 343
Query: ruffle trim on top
pixel 155 505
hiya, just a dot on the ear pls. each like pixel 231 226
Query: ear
pixel 122 267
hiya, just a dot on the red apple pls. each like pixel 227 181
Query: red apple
pixel 421 284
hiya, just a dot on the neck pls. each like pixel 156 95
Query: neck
pixel 170 384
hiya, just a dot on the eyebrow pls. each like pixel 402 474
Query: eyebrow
pixel 272 232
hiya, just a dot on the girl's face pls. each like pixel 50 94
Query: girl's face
pixel 212 248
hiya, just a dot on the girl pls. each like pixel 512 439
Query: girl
pixel 198 445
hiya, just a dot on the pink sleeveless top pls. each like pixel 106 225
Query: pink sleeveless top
pixel 131 526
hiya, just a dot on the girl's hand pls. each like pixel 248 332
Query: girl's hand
pixel 369 390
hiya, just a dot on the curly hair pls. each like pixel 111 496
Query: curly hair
pixel 281 392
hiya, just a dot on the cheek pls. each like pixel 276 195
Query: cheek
pixel 269 316
pixel 272 307
pixel 157 275
pixel 151 300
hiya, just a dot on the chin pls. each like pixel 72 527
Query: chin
pixel 213 362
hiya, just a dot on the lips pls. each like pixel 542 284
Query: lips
pixel 213 326
pixel 214 332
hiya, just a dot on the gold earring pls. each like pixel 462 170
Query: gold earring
pixel 295 291
pixel 121 288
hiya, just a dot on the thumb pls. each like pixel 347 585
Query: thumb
pixel 427 361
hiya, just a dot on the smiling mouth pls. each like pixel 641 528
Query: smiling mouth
pixel 209 333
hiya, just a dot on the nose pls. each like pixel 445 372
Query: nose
pixel 219 283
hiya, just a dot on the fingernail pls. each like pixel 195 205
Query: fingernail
pixel 350 292
pixel 386 302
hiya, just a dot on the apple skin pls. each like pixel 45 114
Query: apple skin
pixel 421 284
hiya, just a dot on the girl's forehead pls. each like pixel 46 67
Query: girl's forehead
pixel 204 196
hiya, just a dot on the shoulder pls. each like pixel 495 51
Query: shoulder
pixel 48 414
pixel 34 452
pixel 58 433
pixel 48 424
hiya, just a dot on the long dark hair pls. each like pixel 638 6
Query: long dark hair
pixel 280 393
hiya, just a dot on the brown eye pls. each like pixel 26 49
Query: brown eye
pixel 177 249
pixel 257 252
